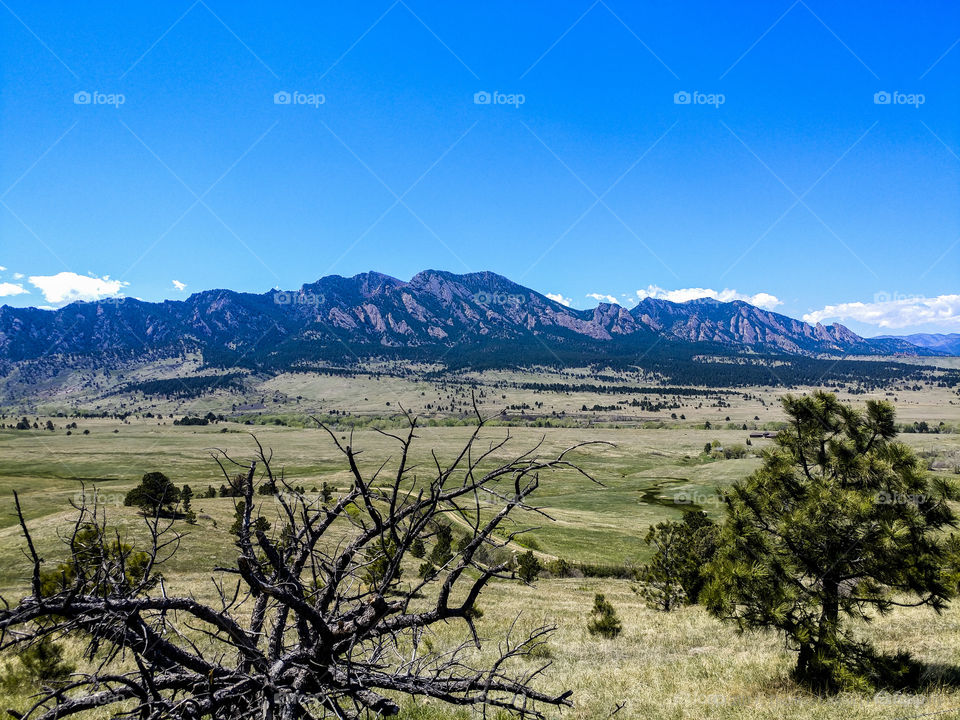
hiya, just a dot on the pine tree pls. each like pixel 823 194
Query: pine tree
pixel 155 495
pixel 840 522
pixel 675 573
pixel 186 497
pixel 442 550
pixel 418 549
pixel 382 567
pixel 99 561
pixel 604 621
pixel 528 567
pixel 260 523
pixel 41 665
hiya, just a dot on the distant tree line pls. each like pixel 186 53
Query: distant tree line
pixel 187 386
pixel 677 361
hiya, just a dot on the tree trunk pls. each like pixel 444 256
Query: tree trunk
pixel 810 663
pixel 829 616
pixel 803 660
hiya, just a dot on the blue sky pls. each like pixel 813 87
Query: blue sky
pixel 627 149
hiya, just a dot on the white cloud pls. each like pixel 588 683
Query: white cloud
pixel 600 297
pixel 943 310
pixel 7 289
pixel 17 276
pixel 66 287
pixel 761 299
pixel 179 285
pixel 2 268
pixel 557 297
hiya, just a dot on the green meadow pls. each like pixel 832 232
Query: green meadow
pixel 683 664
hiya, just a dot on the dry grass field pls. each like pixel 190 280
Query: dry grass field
pixel 683 664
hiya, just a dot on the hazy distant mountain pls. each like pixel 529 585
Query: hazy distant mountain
pixel 948 343
pixel 436 312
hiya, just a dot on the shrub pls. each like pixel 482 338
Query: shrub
pixel 734 452
pixel 41 664
pixel 382 564
pixel 603 621
pixel 99 563
pixel 267 488
pixel 442 550
pixel 527 541
pixel 559 568
pixel 259 524
pixel 418 549
pixel 528 567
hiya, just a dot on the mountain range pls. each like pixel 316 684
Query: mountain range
pixel 372 314
pixel 948 343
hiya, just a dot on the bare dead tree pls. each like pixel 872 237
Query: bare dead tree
pixel 314 619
